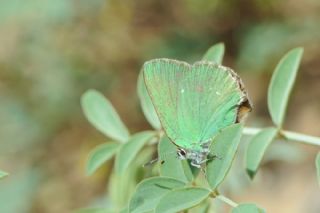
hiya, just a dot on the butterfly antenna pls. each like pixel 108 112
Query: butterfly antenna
pixel 212 157
pixel 162 159
pixel 153 161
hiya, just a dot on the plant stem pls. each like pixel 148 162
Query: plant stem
pixel 227 200
pixel 251 130
pixel 301 137
pixel 293 136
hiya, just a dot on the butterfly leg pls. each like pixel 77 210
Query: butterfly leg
pixel 213 157
pixel 203 170
pixel 195 164
pixel 151 162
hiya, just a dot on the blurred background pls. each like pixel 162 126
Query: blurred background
pixel 53 51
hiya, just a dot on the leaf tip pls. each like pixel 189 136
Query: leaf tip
pixel 89 171
pixel 3 174
pixel 86 96
pixel 298 49
pixel 221 44
pixel 251 173
pixel 87 92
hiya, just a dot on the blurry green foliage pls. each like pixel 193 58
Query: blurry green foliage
pixel 265 42
pixel 146 104
pixel 129 150
pixel 122 186
pixel 247 208
pixel 15 117
pixel 215 53
pixel 20 188
pixel 257 147
pixel 94 210
pixel 318 167
pixel 3 174
pixel 39 11
pixel 100 155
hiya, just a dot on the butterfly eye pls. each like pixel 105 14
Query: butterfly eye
pixel 182 153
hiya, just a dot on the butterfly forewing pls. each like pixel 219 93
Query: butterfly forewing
pixel 193 102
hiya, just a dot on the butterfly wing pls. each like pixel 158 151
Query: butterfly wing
pixel 193 102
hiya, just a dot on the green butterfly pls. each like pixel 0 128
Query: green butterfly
pixel 194 102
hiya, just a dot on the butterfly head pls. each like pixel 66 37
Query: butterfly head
pixel 196 156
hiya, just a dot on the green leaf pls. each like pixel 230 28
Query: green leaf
pixel 256 149
pixel 203 207
pixel 172 166
pixel 318 166
pixel 3 174
pixel 121 187
pixel 125 210
pixel 286 152
pixel 247 208
pixel 281 85
pixel 18 192
pixel 100 155
pixel 129 150
pixel 180 199
pixel 215 53
pixel 94 210
pixel 194 170
pixel 150 191
pixel 146 104
pixel 224 146
pixel 101 114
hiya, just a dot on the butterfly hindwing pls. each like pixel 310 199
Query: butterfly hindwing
pixel 193 102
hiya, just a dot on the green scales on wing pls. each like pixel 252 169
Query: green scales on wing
pixel 194 102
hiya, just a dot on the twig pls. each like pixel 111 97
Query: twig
pixel 227 201
pixel 293 136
